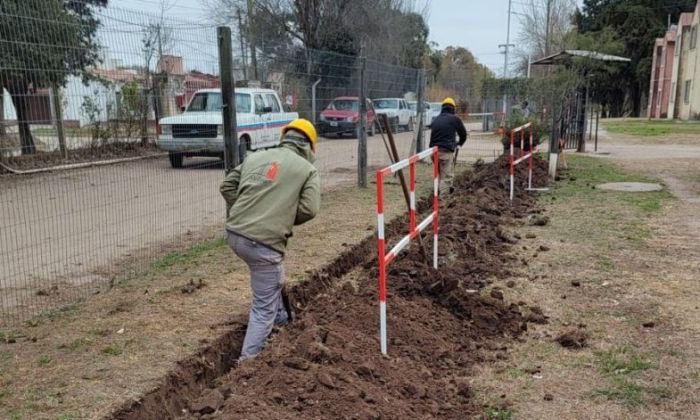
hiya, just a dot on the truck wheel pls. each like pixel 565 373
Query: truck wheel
pixel 175 159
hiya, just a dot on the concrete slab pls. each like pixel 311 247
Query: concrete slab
pixel 630 186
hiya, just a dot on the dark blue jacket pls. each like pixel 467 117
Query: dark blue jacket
pixel 445 129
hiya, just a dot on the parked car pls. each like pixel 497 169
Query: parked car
pixel 398 112
pixel 342 116
pixel 435 109
pixel 427 113
pixel 198 131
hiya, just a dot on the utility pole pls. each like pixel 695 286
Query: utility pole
pixel 243 52
pixel 507 46
pixel 548 29
pixel 251 40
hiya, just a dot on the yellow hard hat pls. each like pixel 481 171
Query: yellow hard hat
pixel 304 127
pixel 449 101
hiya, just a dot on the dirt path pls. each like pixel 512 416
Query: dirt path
pixel 677 165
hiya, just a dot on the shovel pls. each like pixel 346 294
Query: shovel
pixel 287 304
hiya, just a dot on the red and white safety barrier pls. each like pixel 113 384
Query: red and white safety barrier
pixel 529 157
pixel 414 229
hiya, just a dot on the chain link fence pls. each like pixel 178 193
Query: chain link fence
pixel 110 145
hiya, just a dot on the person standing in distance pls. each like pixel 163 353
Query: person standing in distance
pixel 266 196
pixel 444 131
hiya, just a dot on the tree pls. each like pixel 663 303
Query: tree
pixel 34 57
pixel 458 74
pixel 544 28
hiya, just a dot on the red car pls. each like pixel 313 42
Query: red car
pixel 342 115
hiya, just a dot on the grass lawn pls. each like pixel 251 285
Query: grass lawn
pixel 651 128
pixel 610 265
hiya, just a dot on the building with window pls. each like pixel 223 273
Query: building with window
pixel 674 88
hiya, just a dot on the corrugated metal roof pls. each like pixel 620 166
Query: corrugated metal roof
pixel 567 54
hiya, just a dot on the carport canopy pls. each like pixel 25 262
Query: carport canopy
pixel 565 57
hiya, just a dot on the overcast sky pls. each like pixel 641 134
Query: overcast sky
pixel 479 25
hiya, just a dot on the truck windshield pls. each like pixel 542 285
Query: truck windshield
pixel 386 104
pixel 345 105
pixel 436 107
pixel 211 101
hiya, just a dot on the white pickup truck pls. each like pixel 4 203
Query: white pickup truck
pixel 398 112
pixel 199 130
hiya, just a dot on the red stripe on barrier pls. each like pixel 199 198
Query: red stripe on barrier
pixel 380 192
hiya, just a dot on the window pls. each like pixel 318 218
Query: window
pixel 345 105
pixel 211 101
pixel 386 104
pixel 693 37
pixel 273 103
pixel 686 93
pixel 259 104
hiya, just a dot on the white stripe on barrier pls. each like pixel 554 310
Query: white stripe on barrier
pixel 403 243
pixel 404 163
pixel 435 251
pixel 425 223
pixel 382 326
pixel 436 185
pixel 380 225
pixel 521 128
pixel 527 156
pixel 412 198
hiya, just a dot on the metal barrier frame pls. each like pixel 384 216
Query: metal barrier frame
pixel 414 229
pixel 513 162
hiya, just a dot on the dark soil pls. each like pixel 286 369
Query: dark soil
pixel 83 155
pixel 328 364
pixel 573 339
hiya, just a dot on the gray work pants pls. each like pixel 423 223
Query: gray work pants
pixel 447 171
pixel 266 280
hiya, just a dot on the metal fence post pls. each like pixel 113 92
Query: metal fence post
pixel 313 100
pixel 362 128
pixel 420 108
pixel 228 109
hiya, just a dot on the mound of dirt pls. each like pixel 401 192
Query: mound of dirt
pixel 108 151
pixel 328 364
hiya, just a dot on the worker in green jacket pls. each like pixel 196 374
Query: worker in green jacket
pixel 266 196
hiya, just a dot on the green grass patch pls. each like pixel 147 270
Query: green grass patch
pixel 75 344
pixel 113 350
pixel 651 128
pixel 631 393
pixel 623 390
pixel 68 415
pixel 499 414
pixel 608 219
pixel 517 373
pixel 189 255
pixel 621 361
pixel 66 312
pixel 44 361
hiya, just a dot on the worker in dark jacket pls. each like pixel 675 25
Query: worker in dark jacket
pixel 444 131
